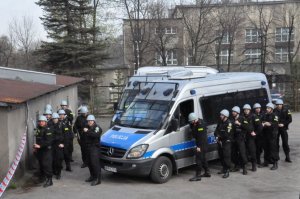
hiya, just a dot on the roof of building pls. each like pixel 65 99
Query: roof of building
pixel 18 91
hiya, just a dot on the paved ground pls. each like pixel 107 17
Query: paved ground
pixel 283 183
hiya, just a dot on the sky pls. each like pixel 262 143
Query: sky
pixel 10 9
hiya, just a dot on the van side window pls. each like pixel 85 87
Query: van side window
pixel 183 110
pixel 212 105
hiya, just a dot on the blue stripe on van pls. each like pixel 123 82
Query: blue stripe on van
pixel 182 146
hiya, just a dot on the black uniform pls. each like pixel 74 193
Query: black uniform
pixel 239 155
pixel 250 140
pixel 199 132
pixel 92 150
pixel 43 136
pixel 259 139
pixel 58 153
pixel 68 139
pixel 270 133
pixel 223 133
pixel 285 118
pixel 79 124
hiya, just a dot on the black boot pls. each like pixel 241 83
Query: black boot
pixel 253 166
pixel 206 174
pixel 197 177
pixel 244 170
pixel 96 181
pixel 90 179
pixel 288 159
pixel 68 167
pixel 275 166
pixel 226 174
pixel 48 182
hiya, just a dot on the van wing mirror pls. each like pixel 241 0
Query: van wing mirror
pixel 173 125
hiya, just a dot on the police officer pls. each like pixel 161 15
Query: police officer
pixel 223 134
pixel 285 118
pixel 250 135
pixel 58 146
pixel 48 114
pixel 259 139
pixel 42 148
pixel 79 124
pixel 270 129
pixel 68 138
pixel 70 118
pixel 48 107
pixel 200 134
pixel 240 129
pixel 93 133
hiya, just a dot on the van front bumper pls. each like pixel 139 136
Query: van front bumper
pixel 139 167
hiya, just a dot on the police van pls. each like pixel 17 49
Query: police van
pixel 153 138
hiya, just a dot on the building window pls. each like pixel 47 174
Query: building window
pixel 167 30
pixel 282 35
pixel 252 36
pixel 225 38
pixel 282 55
pixel 253 56
pixel 224 55
pixel 171 58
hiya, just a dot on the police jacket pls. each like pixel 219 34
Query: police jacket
pixel 224 130
pixel 248 124
pixel 257 125
pixel 66 130
pixel 79 124
pixel 93 135
pixel 58 137
pixel 199 132
pixel 43 137
pixel 284 117
pixel 273 119
pixel 240 131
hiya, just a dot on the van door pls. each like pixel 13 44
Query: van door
pixel 181 140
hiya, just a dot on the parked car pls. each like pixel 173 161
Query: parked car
pixel 275 95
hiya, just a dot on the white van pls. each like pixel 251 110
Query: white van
pixel 153 138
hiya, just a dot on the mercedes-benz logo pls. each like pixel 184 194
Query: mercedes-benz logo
pixel 110 151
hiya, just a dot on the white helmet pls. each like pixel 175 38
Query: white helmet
pixel 84 109
pixel 270 105
pixel 256 105
pixel 236 109
pixel 91 118
pixel 64 103
pixel 225 113
pixel 42 118
pixel 61 112
pixel 48 107
pixel 247 106
pixel 55 116
pixel 279 102
pixel 48 112
pixel 192 117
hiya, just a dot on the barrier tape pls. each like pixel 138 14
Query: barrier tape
pixel 14 165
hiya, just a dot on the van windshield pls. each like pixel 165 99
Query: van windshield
pixel 127 98
pixel 145 114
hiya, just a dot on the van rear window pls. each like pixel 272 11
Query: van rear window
pixel 212 105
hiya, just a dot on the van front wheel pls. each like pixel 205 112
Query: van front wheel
pixel 161 170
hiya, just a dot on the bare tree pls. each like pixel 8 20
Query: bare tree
pixel 199 25
pixel 24 35
pixel 262 21
pixel 6 50
pixel 229 18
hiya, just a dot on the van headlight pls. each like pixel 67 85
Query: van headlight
pixel 138 151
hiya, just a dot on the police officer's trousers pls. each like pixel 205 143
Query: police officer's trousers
pixel 201 161
pixel 45 159
pixel 239 152
pixel 93 160
pixel 58 156
pixel 224 149
pixel 251 147
pixel 284 137
pixel 272 146
pixel 259 142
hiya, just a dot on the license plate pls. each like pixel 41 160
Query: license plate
pixel 111 169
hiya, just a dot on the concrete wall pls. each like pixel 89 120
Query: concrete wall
pixel 13 124
pixel 3 142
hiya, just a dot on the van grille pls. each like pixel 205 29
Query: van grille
pixel 112 152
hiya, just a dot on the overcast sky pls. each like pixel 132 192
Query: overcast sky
pixel 10 9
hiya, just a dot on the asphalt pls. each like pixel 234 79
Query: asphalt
pixel 283 183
